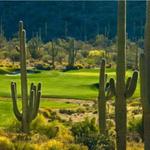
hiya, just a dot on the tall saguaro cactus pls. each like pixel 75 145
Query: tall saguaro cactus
pixel 30 104
pixel 145 80
pixel 72 53
pixel 105 93
pixel 122 90
pixel 54 53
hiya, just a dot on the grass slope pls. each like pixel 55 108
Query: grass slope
pixel 72 84
pixel 7 114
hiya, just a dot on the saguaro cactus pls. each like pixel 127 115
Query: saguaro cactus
pixel 54 54
pixel 72 53
pixel 145 80
pixel 29 105
pixel 123 90
pixel 105 93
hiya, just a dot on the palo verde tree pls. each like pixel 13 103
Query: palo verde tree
pixel 30 104
pixel 145 80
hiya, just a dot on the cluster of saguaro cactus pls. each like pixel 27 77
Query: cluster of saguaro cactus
pixel 121 90
pixel 30 105
pixel 105 93
pixel 145 80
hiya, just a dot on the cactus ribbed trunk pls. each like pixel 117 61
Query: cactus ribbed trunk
pixel 30 105
pixel 102 99
pixel 106 92
pixel 23 76
pixel 120 105
pixel 146 101
pixel 72 53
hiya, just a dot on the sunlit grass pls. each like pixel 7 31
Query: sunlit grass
pixel 7 114
pixel 72 84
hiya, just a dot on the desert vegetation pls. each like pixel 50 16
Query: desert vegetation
pixel 69 94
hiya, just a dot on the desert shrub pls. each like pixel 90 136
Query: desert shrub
pixel 38 138
pixel 135 103
pixel 14 126
pixel 64 133
pixel 42 67
pixel 136 125
pixel 5 144
pixel 135 146
pixel 81 110
pixel 53 145
pixel 68 68
pixel 86 132
pixel 104 143
pixel 79 66
pixel 26 146
pixel 67 111
pixel 50 115
pixel 41 126
pixel 54 116
pixel 76 147
pixel 52 129
pixel 4 71
pixel 83 131
pixel 46 113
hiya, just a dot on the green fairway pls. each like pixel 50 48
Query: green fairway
pixel 72 84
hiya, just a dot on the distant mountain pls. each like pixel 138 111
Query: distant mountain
pixel 80 19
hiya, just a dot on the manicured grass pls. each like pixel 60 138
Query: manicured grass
pixel 7 114
pixel 72 84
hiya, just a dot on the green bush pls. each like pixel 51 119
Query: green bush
pixel 5 144
pixel 26 146
pixel 104 143
pixel 76 147
pixel 42 67
pixel 67 111
pixel 53 145
pixel 83 131
pixel 136 125
pixel 14 126
pixel 4 71
pixel 41 126
pixel 86 132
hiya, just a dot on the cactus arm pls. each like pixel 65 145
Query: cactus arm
pixel 112 86
pixel 14 99
pixel 31 97
pixel 36 100
pixel 110 89
pixel 17 49
pixel 132 86
pixel 31 103
pixel 128 82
